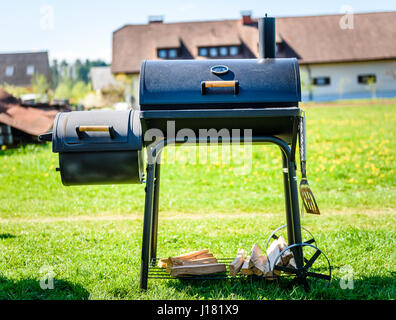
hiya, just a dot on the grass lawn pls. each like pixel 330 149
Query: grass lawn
pixel 90 236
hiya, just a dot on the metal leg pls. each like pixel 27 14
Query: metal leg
pixel 295 214
pixel 289 218
pixel 147 226
pixel 154 230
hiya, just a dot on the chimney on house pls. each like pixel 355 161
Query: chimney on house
pixel 246 17
pixel 156 19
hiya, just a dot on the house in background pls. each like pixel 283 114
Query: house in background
pixel 102 78
pixel 18 68
pixel 335 63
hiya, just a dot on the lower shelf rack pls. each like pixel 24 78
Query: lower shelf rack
pixel 156 272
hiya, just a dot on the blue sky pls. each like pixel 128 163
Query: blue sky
pixel 71 29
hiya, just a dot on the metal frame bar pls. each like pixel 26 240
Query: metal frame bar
pixel 150 223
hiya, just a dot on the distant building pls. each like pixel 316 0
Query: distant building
pixel 18 68
pixel 102 78
pixel 335 62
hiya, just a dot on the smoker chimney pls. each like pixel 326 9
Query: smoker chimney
pixel 156 19
pixel 246 17
pixel 267 41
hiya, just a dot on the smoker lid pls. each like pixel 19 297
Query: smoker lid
pixel 184 84
pixel 126 132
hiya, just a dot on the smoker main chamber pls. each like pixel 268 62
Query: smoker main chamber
pixel 262 95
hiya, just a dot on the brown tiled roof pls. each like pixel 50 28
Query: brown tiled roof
pixel 313 39
pixel 134 43
pixel 319 39
pixel 34 121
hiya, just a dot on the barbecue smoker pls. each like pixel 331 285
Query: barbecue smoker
pixel 257 94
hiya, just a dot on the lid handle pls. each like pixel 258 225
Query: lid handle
pixel 220 84
pixel 81 129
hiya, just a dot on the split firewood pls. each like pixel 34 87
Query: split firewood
pixel 292 264
pixel 192 255
pixel 175 262
pixel 201 269
pixel 255 254
pixel 272 252
pixel 187 256
pixel 258 262
pixel 201 256
pixel 245 267
pixel 287 255
pixel 162 263
pixel 236 265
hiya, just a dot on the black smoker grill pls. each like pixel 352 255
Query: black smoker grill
pixel 261 95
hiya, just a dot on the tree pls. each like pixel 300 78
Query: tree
pixel 55 73
pixel 40 84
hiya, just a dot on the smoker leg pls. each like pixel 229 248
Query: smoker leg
pixel 154 230
pixel 289 218
pixel 147 226
pixel 295 228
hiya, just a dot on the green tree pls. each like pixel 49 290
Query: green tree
pixel 40 84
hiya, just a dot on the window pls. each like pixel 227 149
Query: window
pixel 321 81
pixel 171 53
pixel 367 78
pixel 162 53
pixel 213 52
pixel 203 52
pixel 9 71
pixel 234 50
pixel 223 51
pixel 30 70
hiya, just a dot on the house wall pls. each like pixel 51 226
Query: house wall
pixel 344 80
pixel 20 62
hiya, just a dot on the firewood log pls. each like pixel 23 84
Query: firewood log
pixel 236 264
pixel 201 269
pixel 187 256
pixel 245 267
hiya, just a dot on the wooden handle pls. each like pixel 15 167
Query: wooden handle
pixel 220 84
pixel 109 129
pixel 93 128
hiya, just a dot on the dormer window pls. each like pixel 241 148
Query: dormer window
pixel 234 50
pixel 221 51
pixel 213 52
pixel 170 53
pixel 203 52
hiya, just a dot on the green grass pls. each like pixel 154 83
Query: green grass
pixel 91 235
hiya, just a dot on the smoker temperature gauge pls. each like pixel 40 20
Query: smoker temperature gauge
pixel 219 70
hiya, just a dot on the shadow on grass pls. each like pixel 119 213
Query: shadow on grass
pixel 29 289
pixel 376 288
pixel 6 236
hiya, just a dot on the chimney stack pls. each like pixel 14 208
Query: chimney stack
pixel 246 17
pixel 267 41
pixel 156 19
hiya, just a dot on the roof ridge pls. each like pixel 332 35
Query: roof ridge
pixel 334 14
